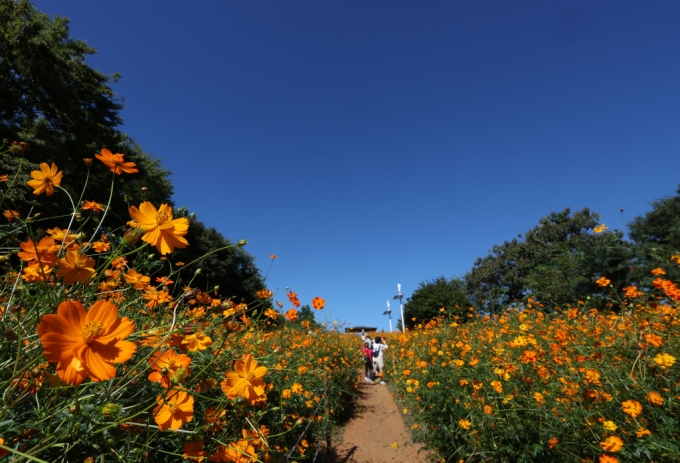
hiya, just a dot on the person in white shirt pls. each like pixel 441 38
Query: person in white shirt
pixel 378 362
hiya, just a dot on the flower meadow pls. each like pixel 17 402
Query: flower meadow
pixel 572 385
pixel 108 353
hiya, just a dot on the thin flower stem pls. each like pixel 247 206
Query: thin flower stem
pixel 108 206
pixel 73 216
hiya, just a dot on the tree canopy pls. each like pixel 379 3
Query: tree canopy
pixel 555 263
pixel 66 111
pixel 431 296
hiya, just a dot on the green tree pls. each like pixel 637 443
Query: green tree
pixel 222 263
pixel 656 236
pixel 431 296
pixel 66 111
pixel 556 263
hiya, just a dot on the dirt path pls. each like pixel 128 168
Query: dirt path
pixel 377 434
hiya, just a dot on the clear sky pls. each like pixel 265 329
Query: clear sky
pixel 373 143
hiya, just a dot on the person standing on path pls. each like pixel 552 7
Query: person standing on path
pixel 367 354
pixel 378 362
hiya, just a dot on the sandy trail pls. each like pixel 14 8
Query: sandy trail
pixel 377 434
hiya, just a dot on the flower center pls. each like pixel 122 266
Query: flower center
pixel 80 264
pixel 174 408
pixel 92 330
pixel 161 218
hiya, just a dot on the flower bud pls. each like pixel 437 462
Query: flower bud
pixel 87 161
pixel 131 236
pixel 111 409
pixel 179 376
pixel 16 148
pixel 144 189
pixel 242 242
pixel 198 271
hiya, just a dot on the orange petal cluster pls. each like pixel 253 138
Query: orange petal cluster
pixel 86 343
pixel 45 179
pixel 116 163
pixel 160 229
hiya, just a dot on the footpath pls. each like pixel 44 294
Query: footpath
pixel 377 433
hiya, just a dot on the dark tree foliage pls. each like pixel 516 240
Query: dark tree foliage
pixel 660 226
pixel 66 111
pixel 225 264
pixel 657 237
pixel 556 263
pixel 430 296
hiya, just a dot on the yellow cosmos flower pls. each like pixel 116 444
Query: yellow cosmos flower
pixel 664 360
pixel 197 341
pixel 610 425
pixel 160 229
pixel 45 179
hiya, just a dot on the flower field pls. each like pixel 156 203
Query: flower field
pixel 107 352
pixel 574 385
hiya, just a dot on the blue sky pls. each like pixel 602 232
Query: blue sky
pixel 373 143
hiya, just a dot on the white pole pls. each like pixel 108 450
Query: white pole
pixel 401 306
pixel 389 313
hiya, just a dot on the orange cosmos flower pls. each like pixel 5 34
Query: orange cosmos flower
pixel 296 388
pixel 273 256
pixel 101 246
pixel 642 432
pixel 156 298
pixel 664 360
pixel 5 177
pixel 530 356
pixel 34 273
pixel 166 364
pixel 608 459
pixel 116 163
pixel 273 314
pixel 602 281
pixel 658 271
pixel 61 235
pixel 45 251
pixel 654 398
pixel 291 315
pixel 161 230
pixel 11 214
pixel 241 451
pixel 293 298
pixel 93 206
pixel 45 179
pixel 612 444
pixel 318 303
pixel 86 344
pixel 246 381
pixel 75 267
pixel 194 451
pixel 553 442
pixel 465 424
pixel 264 294
pixel 174 410
pixel 632 408
pixel 654 340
